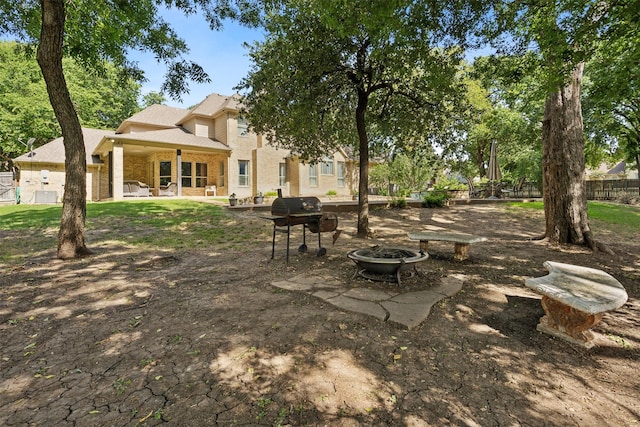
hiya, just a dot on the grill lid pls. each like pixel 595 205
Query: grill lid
pixel 284 206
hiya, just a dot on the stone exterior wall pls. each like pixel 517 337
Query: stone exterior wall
pixel 31 181
pixel 135 169
pixel 325 183
pixel 220 129
pixel 267 168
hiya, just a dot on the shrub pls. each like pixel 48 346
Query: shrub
pixel 435 199
pixel 627 198
pixel 398 202
pixel 450 184
pixel 332 193
pixel 271 194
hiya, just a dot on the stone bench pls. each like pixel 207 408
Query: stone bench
pixel 461 241
pixel 574 299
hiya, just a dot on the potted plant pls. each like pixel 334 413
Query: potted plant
pixel 233 200
pixel 269 195
pixel 257 200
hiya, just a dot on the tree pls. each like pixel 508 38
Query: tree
pixel 94 32
pixel 498 108
pixel 152 98
pixel 565 33
pixel 380 72
pixel 411 171
pixel 612 106
pixel 102 101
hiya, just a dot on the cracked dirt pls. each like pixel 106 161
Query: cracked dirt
pixel 197 337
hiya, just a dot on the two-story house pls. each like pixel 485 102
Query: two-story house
pixel 195 149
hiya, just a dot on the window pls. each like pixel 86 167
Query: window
pixel 165 172
pixel 201 174
pixel 326 167
pixel 243 173
pixel 186 174
pixel 313 175
pixel 242 126
pixel 221 177
pixel 282 181
pixel 341 171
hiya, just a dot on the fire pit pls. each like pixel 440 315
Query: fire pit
pixel 386 264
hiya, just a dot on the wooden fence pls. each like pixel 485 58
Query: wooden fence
pixel 611 189
pixel 7 190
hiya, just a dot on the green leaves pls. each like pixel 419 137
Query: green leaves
pixel 101 100
pixel 320 60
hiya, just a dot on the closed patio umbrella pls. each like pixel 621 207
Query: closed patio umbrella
pixel 494 169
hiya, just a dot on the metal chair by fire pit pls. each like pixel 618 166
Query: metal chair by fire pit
pixel 305 211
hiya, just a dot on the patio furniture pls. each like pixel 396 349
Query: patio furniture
pixel 168 190
pixel 132 188
pixel 462 242
pixel 516 189
pixel 211 189
pixel 574 299
pixel 474 192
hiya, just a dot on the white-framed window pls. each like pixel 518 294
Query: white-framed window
pixel 221 177
pixel 282 174
pixel 341 173
pixel 243 173
pixel 326 167
pixel 201 174
pixel 243 126
pixel 165 172
pixel 313 175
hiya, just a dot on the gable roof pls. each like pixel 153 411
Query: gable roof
pixel 214 105
pixel 619 168
pixel 53 151
pixel 156 115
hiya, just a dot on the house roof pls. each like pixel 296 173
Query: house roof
pixel 619 168
pixel 214 105
pixel 176 137
pixel 53 151
pixel 156 115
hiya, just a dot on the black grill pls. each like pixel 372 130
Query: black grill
pixel 305 211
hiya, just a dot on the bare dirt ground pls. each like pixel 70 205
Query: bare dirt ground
pixel 199 337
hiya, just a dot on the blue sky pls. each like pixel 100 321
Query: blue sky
pixel 220 53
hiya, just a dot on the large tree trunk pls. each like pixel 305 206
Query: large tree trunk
pixel 363 184
pixel 71 234
pixel 565 200
pixel 638 169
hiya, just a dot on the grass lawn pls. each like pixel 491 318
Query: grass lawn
pixel 178 224
pixel 619 218
pixel 144 224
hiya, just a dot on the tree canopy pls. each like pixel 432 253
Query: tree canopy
pixel 330 75
pixel 102 101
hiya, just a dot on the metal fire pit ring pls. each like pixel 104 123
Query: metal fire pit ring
pixel 385 263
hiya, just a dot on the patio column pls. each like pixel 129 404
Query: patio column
pixel 118 171
pixel 179 170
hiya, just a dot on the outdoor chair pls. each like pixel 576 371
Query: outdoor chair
pixel 168 190
pixel 211 190
pixel 516 190
pixel 474 193
pixel 132 188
